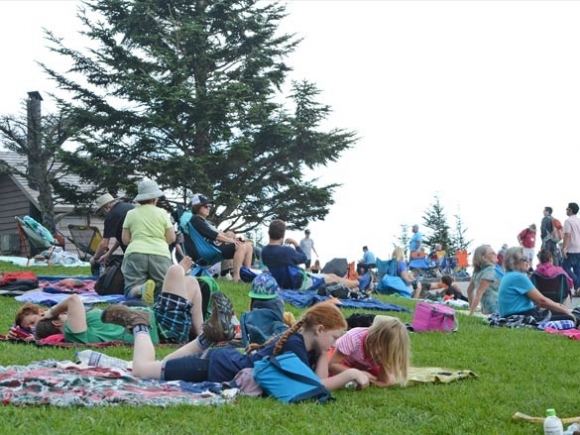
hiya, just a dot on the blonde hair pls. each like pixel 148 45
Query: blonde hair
pixel 323 313
pixel 388 343
pixel 398 254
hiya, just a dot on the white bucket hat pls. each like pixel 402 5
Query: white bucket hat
pixel 103 200
pixel 148 189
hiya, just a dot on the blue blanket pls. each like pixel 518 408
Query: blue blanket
pixel 303 299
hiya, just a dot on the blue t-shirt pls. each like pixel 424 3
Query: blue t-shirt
pixel 226 362
pixel 369 258
pixel 512 294
pixel 415 242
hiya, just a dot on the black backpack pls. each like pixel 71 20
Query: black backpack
pixel 111 282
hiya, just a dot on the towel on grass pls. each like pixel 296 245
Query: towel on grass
pixel 67 285
pixel 303 299
pixel 65 384
pixel 437 375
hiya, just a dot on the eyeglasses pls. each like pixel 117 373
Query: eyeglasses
pixel 567 209
pixel 526 259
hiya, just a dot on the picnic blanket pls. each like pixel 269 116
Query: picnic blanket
pixel 69 285
pixel 65 384
pixel 303 299
pixel 50 299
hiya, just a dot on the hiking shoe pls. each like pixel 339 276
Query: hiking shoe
pixel 364 282
pixel 219 327
pixel 125 316
pixel 148 295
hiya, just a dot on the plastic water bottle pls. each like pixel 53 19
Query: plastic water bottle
pixel 552 424
pixel 574 427
pixel 98 359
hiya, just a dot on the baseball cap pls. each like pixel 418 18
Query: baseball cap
pixel 200 199
pixel 307 231
pixel 264 286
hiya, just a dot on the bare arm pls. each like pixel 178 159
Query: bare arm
pixel 75 310
pixel 483 285
pixel 169 235
pixel 126 236
pixel 543 302
pixel 102 248
pixel 565 244
pixel 104 258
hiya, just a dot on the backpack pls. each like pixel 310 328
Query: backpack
pixel 286 378
pixel 556 234
pixel 111 282
pixel 207 286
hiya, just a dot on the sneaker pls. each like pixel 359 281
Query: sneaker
pixel 148 295
pixel 364 282
pixel 219 327
pixel 125 316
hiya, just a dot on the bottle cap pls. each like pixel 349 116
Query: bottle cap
pixel 550 412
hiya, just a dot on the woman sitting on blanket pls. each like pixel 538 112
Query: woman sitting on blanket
pixel 484 284
pixel 408 278
pixel 176 311
pixel 310 339
pixel 518 296
pixel 381 351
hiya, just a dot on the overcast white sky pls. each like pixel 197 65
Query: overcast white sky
pixel 478 102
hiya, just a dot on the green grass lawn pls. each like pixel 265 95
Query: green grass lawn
pixel 518 370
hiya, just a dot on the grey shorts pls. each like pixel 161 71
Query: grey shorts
pixel 138 268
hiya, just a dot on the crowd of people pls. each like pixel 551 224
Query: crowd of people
pixel 170 299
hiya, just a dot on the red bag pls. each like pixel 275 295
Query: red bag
pixel 434 317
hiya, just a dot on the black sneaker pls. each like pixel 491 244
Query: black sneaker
pixel 219 327
pixel 124 316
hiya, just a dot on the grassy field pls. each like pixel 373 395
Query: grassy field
pixel 518 370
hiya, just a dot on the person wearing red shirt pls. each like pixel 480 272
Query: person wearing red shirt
pixel 527 240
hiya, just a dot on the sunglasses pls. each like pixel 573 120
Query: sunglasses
pixel 524 259
pixel 207 205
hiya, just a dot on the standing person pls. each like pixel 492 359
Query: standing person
pixel 310 339
pixel 368 260
pixel 307 246
pixel 484 285
pixel 147 232
pixel 115 212
pixel 546 228
pixel 416 241
pixel 232 246
pixel 527 240
pixel 571 244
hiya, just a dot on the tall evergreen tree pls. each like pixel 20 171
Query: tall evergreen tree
pixel 403 239
pixel 187 92
pixel 459 238
pixel 435 220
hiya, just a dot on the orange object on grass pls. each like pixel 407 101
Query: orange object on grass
pixel 462 258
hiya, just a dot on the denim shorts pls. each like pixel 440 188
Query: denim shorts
pixel 190 368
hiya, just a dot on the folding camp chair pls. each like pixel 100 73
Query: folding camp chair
pixel 555 288
pixel 86 239
pixel 204 253
pixel 32 242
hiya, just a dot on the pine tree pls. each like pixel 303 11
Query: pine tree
pixel 187 92
pixel 459 239
pixel 435 220
pixel 403 239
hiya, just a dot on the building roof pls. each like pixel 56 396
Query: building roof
pixel 13 159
